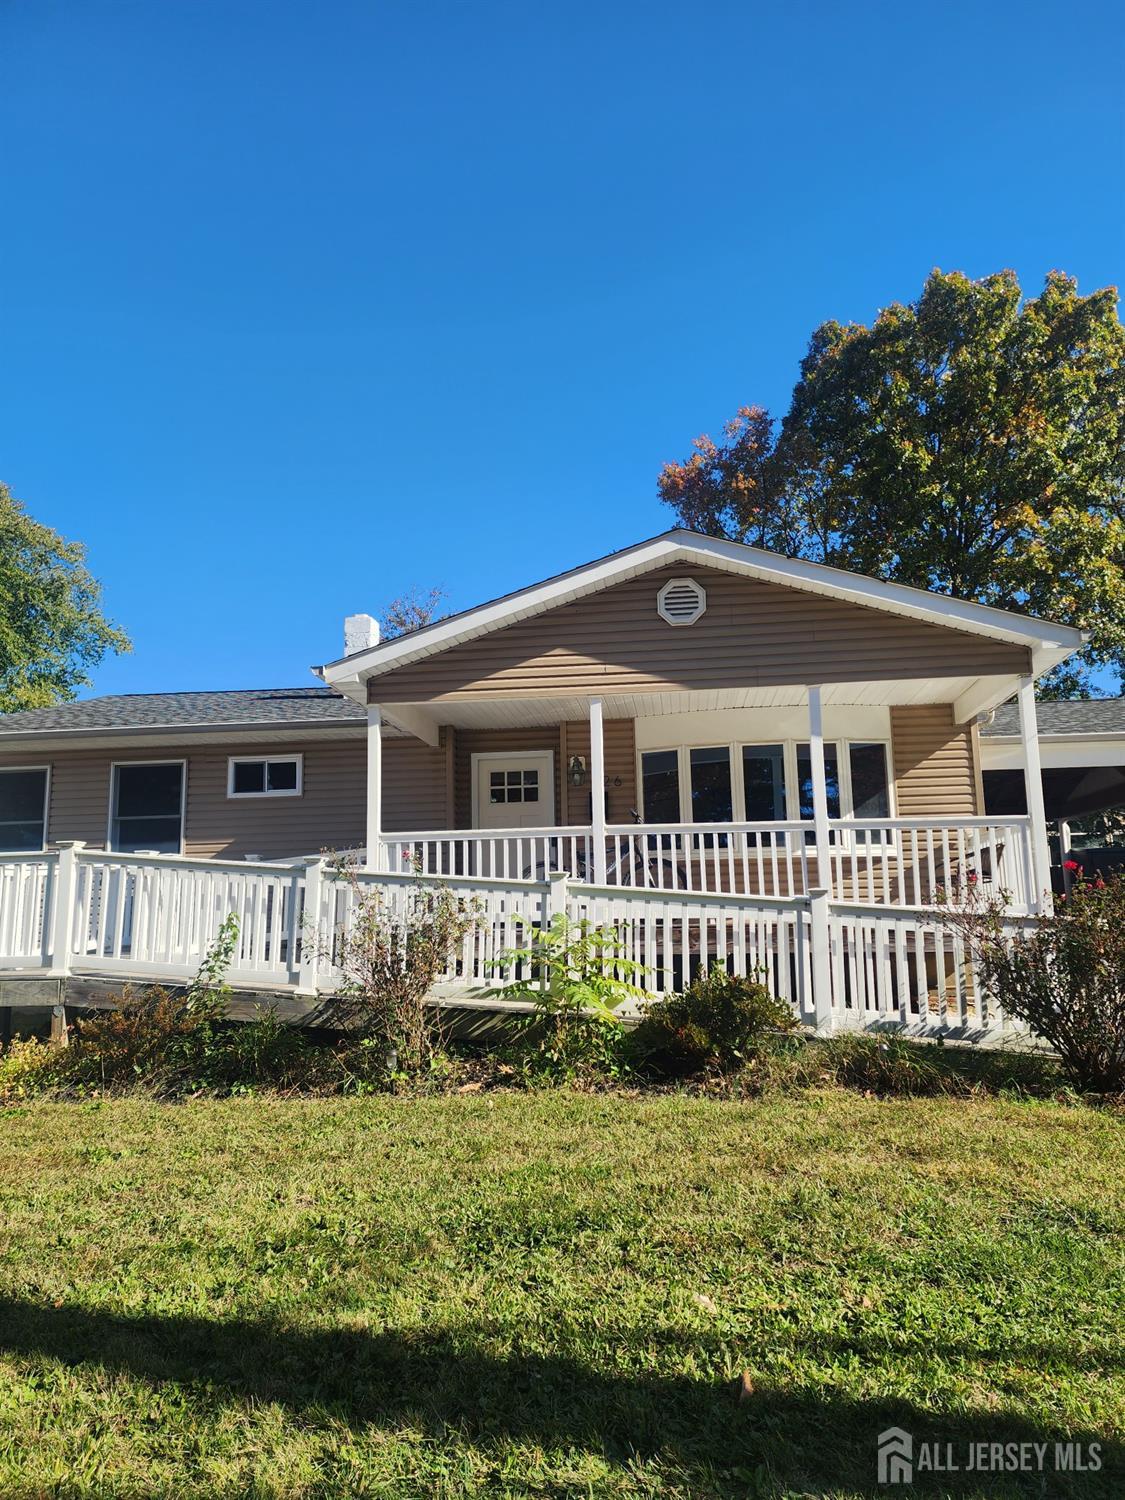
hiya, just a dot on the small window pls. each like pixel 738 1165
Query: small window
pixel 264 778
pixel 513 786
pixel 146 808
pixel 660 777
pixel 23 810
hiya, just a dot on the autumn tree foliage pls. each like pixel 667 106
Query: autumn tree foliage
pixel 410 611
pixel 971 441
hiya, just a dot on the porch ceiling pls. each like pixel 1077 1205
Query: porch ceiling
pixel 504 713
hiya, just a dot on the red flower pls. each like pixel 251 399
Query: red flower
pixel 1072 865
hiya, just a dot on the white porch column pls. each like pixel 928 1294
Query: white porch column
pixel 1041 897
pixel 374 786
pixel 597 789
pixel 819 792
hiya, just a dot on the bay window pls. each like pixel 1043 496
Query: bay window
pixel 766 783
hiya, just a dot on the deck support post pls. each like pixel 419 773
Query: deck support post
pixel 819 792
pixel 64 898
pixel 1041 896
pixel 820 960
pixel 374 787
pixel 597 790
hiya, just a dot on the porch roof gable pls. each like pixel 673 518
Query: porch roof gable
pixel 1047 642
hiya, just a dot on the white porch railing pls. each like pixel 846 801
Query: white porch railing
pixel 840 963
pixel 882 861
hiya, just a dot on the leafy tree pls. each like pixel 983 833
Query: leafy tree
pixel 52 629
pixel 410 611
pixel 970 442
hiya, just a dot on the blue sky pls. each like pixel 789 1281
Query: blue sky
pixel 304 303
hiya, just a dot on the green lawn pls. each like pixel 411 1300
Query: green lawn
pixel 551 1294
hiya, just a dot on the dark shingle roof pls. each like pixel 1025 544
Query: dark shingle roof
pixel 242 707
pixel 1092 716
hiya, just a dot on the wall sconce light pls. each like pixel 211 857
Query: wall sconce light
pixel 576 770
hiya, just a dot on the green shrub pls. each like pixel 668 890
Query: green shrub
pixel 1062 975
pixel 716 1022
pixel 577 977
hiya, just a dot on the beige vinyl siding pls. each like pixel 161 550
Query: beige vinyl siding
pixel 414 786
pixel 752 634
pixel 79 791
pixel 470 742
pixel 620 768
pixel 935 769
pixel 329 814
pixel 571 804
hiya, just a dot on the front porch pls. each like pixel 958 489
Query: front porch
pixel 869 792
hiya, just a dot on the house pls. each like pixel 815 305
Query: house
pixel 741 757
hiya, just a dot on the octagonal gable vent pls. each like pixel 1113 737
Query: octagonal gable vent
pixel 681 601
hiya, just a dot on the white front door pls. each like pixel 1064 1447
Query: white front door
pixel 515 790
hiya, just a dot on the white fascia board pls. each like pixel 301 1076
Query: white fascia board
pixel 1070 752
pixel 1048 642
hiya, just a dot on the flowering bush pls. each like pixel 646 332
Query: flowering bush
pixel 1064 974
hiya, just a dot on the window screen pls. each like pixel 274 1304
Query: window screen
pixel 147 808
pixel 23 810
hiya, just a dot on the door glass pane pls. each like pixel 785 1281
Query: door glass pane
pixel 22 795
pixel 831 777
pixel 147 801
pixel 710 786
pixel 281 776
pixel 249 776
pixel 661 777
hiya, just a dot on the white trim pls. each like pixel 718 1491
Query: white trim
pixel 477 756
pixel 46 767
pixel 373 818
pixel 265 760
pixel 1055 751
pixel 113 765
pixel 1041 897
pixel 1050 643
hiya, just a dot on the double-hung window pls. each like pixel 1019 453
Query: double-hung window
pixel 258 776
pixel 146 809
pixel 23 810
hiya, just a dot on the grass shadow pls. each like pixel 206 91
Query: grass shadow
pixel 775 1440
